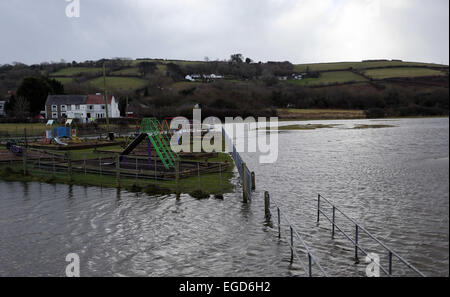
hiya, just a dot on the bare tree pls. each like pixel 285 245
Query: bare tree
pixel 21 108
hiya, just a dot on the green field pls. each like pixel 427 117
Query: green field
pixel 319 114
pixel 402 72
pixel 64 80
pixel 127 71
pixel 119 83
pixel 73 71
pixel 358 65
pixel 327 78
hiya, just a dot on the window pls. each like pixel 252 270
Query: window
pixel 54 108
pixel 103 106
pixel 77 107
pixel 54 115
pixel 69 107
pixel 91 107
pixel 63 108
pixel 63 114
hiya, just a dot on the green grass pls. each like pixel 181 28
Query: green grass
pixel 358 65
pixel 11 130
pixel 127 71
pixel 327 78
pixel 64 80
pixel 402 72
pixel 319 114
pixel 119 83
pixel 372 126
pixel 73 71
pixel 303 127
pixel 212 183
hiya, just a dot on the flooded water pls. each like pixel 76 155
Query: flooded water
pixel 394 181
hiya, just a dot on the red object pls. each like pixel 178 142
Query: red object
pixel 97 99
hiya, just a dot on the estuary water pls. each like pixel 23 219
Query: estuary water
pixel 393 181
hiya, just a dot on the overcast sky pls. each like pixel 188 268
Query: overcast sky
pixel 300 31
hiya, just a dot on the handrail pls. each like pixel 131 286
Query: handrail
pixel 359 227
pixel 311 257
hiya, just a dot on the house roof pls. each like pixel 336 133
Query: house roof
pixel 65 99
pixel 97 99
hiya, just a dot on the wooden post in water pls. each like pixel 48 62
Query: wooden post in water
pixel 253 181
pixel 69 166
pixel 118 170
pixel 267 205
pixel 177 177
pixel 244 183
pixel 24 153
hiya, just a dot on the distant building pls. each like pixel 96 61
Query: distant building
pixel 83 107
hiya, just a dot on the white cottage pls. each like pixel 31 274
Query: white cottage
pixel 83 107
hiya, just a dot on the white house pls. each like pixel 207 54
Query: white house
pixel 80 107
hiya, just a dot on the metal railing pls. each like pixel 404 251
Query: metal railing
pixel 248 182
pixel 280 216
pixel 354 240
pixel 246 176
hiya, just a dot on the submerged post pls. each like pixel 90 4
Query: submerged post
pixel 310 264
pixel 24 153
pixel 318 208
pixel 118 170
pixel 267 205
pixel 253 181
pixel 244 183
pixel 390 263
pixel 279 222
pixel 292 244
pixel 334 215
pixel 177 177
pixel 69 166
pixel 356 244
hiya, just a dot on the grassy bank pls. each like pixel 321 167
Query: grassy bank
pixel 319 114
pixel 199 187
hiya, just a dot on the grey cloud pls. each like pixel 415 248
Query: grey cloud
pixel 299 31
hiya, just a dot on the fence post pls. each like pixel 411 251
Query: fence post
pixel 220 176
pixel 279 222
pixel 318 208
pixel 253 181
pixel 24 152
pixel 390 263
pixel 155 170
pixel 310 264
pixel 53 163
pixel 177 177
pixel 292 244
pixel 267 205
pixel 118 170
pixel 356 244
pixel 244 183
pixel 136 161
pixel 334 215
pixel 198 174
pixel 69 166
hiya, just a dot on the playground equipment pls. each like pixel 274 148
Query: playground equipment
pixel 12 146
pixel 58 141
pixel 55 132
pixel 151 130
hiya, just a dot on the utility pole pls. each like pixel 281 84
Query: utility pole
pixel 105 94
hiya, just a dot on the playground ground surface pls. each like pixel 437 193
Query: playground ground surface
pixel 198 186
